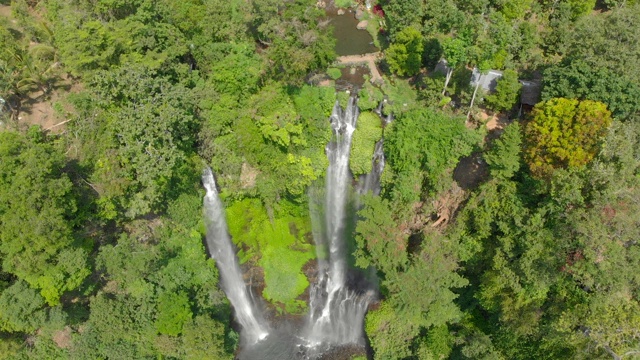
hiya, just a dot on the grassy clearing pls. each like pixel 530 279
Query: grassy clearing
pixel 402 96
pixel 278 246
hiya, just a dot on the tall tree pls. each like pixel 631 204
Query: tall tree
pixel 507 92
pixel 38 216
pixel 405 54
pixel 504 155
pixel 575 78
pixel 564 133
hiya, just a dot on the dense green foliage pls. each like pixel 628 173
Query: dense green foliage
pixel 507 92
pixel 279 247
pixel 405 54
pixel 38 212
pixel 564 133
pixel 368 132
pixel 421 146
pixel 517 242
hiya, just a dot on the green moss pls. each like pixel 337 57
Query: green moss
pixel 334 73
pixel 368 131
pixel 369 97
pixel 344 3
pixel 278 246
pixel 343 98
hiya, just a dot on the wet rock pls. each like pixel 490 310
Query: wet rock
pixel 340 11
pixel 359 14
pixel 362 25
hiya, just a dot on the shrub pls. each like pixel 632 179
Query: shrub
pixel 368 132
pixel 334 73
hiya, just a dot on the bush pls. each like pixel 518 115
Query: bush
pixel 370 97
pixel 277 245
pixel 334 73
pixel 368 132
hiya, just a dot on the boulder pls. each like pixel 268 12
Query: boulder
pixel 359 14
pixel 362 25
pixel 340 11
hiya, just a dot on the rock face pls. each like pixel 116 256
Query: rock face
pixel 362 25
pixel 359 14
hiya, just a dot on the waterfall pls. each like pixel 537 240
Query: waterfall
pixel 388 119
pixel 223 252
pixel 343 124
pixel 338 299
pixel 337 312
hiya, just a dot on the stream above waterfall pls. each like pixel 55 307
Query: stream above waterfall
pixel 349 40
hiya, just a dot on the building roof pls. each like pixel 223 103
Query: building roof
pixel 442 67
pixel 487 81
pixel 530 93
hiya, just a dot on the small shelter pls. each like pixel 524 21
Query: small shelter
pixel 529 94
pixel 488 81
pixel 442 67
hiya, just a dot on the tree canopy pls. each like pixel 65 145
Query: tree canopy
pixel 564 133
pixel 496 234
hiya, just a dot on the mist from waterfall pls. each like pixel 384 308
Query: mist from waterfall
pixel 222 250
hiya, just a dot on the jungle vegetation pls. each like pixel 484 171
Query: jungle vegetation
pixel 101 224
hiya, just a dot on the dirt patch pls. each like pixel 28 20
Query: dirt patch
pixel 471 171
pixel 50 110
pixel 38 110
pixel 497 122
pixel 368 59
pixel 493 121
pixel 248 176
pixel 62 338
pixel 5 10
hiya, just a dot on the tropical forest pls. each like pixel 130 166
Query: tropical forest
pixel 320 179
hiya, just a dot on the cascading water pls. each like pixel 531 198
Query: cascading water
pixel 336 309
pixel 222 251
pixel 337 312
pixel 388 119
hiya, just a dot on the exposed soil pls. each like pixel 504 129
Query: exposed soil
pixel 37 107
pixel 471 171
pixel 248 176
pixel 37 110
pixel 62 338
pixel 495 123
pixel 5 10
pixel 368 59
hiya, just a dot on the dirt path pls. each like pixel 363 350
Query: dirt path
pixel 369 59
